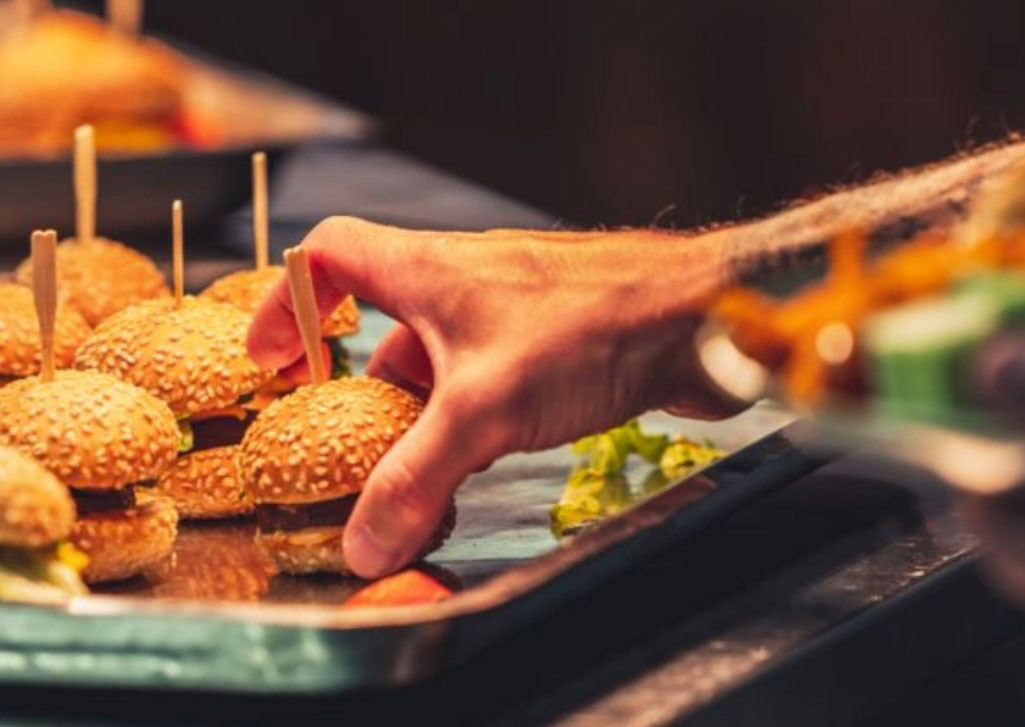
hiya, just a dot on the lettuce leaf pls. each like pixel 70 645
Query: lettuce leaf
pixel 340 364
pixel 682 456
pixel 43 575
pixel 609 451
pixel 589 496
pixel 187 440
pixel 597 486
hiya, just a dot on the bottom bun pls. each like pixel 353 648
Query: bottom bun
pixel 121 544
pixel 316 550
pixel 206 484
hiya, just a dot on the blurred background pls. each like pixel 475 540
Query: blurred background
pixel 618 112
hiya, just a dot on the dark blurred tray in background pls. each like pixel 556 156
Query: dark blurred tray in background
pixel 136 189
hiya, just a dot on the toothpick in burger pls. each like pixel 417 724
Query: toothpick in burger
pixel 246 289
pixel 20 344
pixel 190 353
pixel 308 455
pixel 98 277
pixel 104 438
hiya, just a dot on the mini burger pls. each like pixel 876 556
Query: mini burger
pixel 37 564
pixel 106 440
pixel 100 277
pixel 20 344
pixel 306 458
pixel 67 68
pixel 191 354
pixel 246 289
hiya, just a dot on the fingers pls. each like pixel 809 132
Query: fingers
pixel 409 491
pixel 298 372
pixel 346 256
pixel 401 359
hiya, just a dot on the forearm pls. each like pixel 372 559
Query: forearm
pixel 893 208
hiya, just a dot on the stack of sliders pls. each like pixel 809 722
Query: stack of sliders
pixel 62 68
pixel 98 277
pixel 246 289
pixel 102 437
pixel 307 456
pixel 37 564
pixel 190 353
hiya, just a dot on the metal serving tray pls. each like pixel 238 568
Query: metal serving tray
pixel 214 617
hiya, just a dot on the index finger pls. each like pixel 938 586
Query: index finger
pixel 346 256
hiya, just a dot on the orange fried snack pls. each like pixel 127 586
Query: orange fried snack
pixel 810 339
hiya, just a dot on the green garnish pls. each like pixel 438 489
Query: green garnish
pixel 37 576
pixel 187 440
pixel 608 451
pixel 340 365
pixel 598 487
pixel 683 456
pixel 589 496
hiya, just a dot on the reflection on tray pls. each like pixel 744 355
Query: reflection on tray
pixel 219 561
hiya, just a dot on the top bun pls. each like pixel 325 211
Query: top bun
pixel 193 356
pixel 321 442
pixel 101 277
pixel 90 429
pixel 19 333
pixel 35 508
pixel 246 289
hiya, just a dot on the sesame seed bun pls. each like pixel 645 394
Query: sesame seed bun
pixel 19 333
pixel 206 484
pixel 246 289
pixel 101 277
pixel 35 508
pixel 321 442
pixel 90 429
pixel 315 550
pixel 193 357
pixel 123 543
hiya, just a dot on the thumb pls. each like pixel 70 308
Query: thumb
pixel 346 256
pixel 409 491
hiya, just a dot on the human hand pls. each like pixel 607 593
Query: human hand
pixel 519 341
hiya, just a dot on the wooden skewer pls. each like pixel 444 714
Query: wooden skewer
pixel 44 292
pixel 125 15
pixel 85 183
pixel 304 303
pixel 260 212
pixel 178 252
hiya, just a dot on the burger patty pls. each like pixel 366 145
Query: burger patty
pixel 219 431
pixel 288 518
pixel 90 502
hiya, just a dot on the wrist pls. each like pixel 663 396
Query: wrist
pixel 679 277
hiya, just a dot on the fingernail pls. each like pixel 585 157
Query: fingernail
pixel 366 555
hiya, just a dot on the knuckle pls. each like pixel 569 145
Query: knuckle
pixel 331 230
